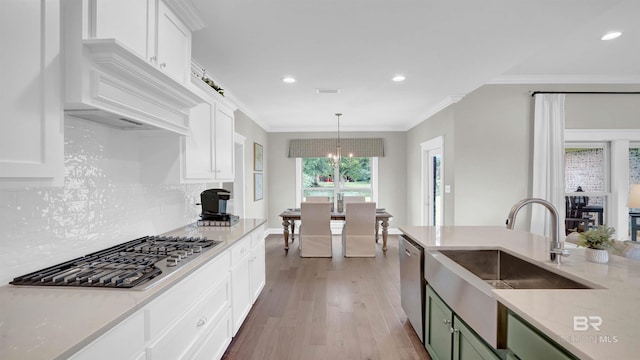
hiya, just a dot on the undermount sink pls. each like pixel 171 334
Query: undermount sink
pixel 467 278
pixel 505 271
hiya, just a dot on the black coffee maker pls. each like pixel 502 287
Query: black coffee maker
pixel 214 208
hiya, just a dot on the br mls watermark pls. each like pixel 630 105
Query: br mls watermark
pixel 587 323
pixel 583 323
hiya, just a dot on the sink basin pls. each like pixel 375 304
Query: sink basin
pixel 502 270
pixel 466 280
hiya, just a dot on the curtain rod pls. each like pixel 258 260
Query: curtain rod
pixel 587 92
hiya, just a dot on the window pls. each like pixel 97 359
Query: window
pixel 634 166
pixel 355 177
pixel 587 188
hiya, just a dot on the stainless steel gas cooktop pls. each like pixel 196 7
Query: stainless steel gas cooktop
pixel 135 264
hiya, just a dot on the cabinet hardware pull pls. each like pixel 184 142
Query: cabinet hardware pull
pixel 407 252
pixel 153 58
pixel 201 321
pixel 446 321
pixel 163 65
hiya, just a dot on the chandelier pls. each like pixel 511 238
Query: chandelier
pixel 334 159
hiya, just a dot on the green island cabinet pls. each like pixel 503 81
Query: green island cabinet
pixel 527 343
pixel 447 337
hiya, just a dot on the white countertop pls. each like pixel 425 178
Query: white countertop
pixel 55 322
pixel 553 311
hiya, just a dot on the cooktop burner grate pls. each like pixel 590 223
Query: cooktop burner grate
pixel 126 265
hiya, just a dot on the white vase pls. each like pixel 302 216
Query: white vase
pixel 596 255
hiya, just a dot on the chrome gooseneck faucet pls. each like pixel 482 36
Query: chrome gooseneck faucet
pixel 556 249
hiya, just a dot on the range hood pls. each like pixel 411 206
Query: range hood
pixel 110 119
pixel 108 84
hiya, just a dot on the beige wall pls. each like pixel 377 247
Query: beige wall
pixel 487 153
pixel 391 171
pixel 489 163
pixel 253 133
pixel 441 124
pixel 602 111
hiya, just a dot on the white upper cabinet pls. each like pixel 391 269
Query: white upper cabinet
pixel 208 147
pixel 223 141
pixel 173 45
pixel 127 62
pixel 132 27
pixel 198 161
pixel 31 124
pixel 148 28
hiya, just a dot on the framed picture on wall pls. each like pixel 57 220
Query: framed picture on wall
pixel 257 157
pixel 257 186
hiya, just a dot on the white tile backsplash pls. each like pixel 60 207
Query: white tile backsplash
pixel 102 203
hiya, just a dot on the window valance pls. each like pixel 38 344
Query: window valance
pixel 359 147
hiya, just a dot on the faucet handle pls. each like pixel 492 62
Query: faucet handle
pixel 557 254
pixel 560 251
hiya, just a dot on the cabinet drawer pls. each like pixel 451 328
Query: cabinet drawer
pixel 163 311
pixel 179 339
pixel 240 250
pixel 526 343
pixel 217 341
pixel 257 236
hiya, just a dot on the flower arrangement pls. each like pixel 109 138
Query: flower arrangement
pixel 211 83
pixel 598 238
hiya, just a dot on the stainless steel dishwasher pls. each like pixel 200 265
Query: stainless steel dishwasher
pixel 412 283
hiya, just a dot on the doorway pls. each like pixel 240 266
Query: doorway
pixel 432 180
pixel 239 179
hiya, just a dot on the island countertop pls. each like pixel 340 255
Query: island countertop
pixel 552 311
pixel 56 322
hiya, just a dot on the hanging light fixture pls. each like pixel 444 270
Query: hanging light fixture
pixel 334 159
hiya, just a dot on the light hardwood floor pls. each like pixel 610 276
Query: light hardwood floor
pixel 328 308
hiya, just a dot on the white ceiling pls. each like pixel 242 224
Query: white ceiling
pixel 446 49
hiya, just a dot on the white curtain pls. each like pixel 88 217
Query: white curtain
pixel 548 161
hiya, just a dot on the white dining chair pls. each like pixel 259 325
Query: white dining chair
pixel 359 230
pixel 352 199
pixel 315 230
pixel 315 199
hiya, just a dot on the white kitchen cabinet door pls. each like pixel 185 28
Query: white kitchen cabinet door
pixel 240 282
pixel 198 158
pixel 31 129
pixel 125 341
pixel 224 146
pixel 131 27
pixel 173 45
pixel 258 276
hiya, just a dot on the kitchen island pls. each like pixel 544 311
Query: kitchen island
pixel 57 322
pixel 612 303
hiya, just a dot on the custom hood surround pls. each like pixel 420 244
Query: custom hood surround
pixel 108 81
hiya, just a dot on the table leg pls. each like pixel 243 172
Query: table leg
pixel 285 224
pixel 377 230
pixel 293 230
pixel 385 228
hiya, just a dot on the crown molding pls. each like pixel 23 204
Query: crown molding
pixel 443 104
pixel 563 79
pixel 187 12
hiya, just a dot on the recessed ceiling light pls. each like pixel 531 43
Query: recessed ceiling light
pixel 288 79
pixel 611 35
pixel 398 78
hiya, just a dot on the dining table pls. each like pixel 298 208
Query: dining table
pixel 289 217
